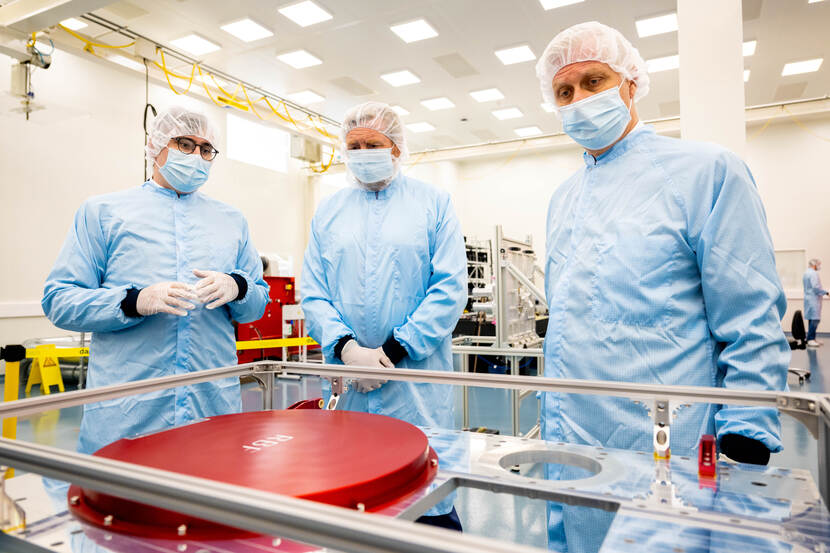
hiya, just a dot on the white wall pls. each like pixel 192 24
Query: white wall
pixel 791 169
pixel 89 140
pixel 513 193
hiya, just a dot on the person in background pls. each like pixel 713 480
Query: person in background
pixel 660 246
pixel 385 279
pixel 813 296
pixel 157 273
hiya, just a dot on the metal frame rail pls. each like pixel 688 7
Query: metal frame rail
pixel 326 525
pixel 516 396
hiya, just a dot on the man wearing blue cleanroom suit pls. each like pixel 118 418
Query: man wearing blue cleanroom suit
pixel 659 269
pixel 385 279
pixel 135 270
pixel 813 296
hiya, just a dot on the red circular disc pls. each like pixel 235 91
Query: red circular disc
pixel 341 458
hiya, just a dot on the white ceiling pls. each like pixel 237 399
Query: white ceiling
pixel 358 44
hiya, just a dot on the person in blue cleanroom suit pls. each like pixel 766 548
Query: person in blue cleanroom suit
pixel 813 296
pixel 157 273
pixel 659 269
pixel 385 278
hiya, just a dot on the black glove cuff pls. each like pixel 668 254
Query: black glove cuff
pixel 241 283
pixel 338 347
pixel 744 450
pixel 129 303
pixel 394 350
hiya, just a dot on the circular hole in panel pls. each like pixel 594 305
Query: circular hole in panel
pixel 572 466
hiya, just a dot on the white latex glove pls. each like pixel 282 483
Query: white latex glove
pixel 366 385
pixel 356 355
pixel 165 297
pixel 215 287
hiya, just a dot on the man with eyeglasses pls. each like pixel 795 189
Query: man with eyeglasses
pixel 157 273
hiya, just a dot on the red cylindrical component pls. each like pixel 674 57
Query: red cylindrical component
pixel 316 403
pixel 336 457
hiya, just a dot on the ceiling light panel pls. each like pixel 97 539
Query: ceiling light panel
pixel 507 113
pixel 517 54
pixel 305 97
pixel 666 63
pixel 401 78
pixel 435 104
pixel 749 47
pixel 487 95
pixel 657 25
pixel 551 4
pixel 528 131
pixel 798 67
pixel 195 44
pixel 414 31
pixel 247 30
pixel 305 13
pixel 419 127
pixel 299 59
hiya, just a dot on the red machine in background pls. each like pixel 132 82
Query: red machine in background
pixel 270 326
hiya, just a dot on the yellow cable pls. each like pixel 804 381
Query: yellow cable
pixel 236 90
pixel 204 84
pixel 288 114
pixel 89 44
pixel 167 76
pixel 803 126
pixel 757 133
pixel 319 129
pixel 222 90
pixel 416 162
pixel 274 111
pixel 170 71
pixel 327 166
pixel 287 118
pixel 250 103
pixel 232 96
pixel 253 107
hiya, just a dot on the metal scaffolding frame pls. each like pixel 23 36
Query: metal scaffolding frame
pixel 344 529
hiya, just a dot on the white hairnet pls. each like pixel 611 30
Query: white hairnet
pixel 591 41
pixel 177 121
pixel 815 262
pixel 377 116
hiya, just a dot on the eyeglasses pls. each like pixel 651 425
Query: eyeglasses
pixel 188 146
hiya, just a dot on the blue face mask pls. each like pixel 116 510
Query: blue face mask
pixel 597 121
pixel 372 168
pixel 185 172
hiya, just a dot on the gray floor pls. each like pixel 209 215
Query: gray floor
pixel 502 516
